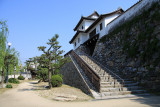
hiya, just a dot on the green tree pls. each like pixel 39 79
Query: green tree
pixel 3 40
pixel 42 72
pixel 53 54
pixel 5 54
pixel 13 61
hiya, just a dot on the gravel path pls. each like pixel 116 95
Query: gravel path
pixel 25 96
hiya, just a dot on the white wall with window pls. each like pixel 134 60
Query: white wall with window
pixel 82 25
pixel 97 27
pixel 80 39
pixel 88 23
pixel 101 29
pixel 85 24
pixel 104 23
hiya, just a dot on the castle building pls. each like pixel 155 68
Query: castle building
pixel 89 29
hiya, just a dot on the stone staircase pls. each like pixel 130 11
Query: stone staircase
pixel 112 85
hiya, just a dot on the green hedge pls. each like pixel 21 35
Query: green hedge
pixel 56 81
pixel 8 86
pixel 13 80
pixel 21 77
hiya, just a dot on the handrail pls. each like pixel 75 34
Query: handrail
pixel 68 53
pixel 94 78
pixel 106 69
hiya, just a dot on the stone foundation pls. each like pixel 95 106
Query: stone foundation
pixel 72 77
pixel 133 49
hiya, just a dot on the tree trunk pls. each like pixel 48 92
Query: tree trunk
pixel 49 73
pixel 14 75
pixel 50 85
pixel 14 72
pixel 55 62
pixel 2 78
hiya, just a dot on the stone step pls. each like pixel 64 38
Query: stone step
pixel 107 79
pixel 103 75
pixel 126 84
pixel 115 93
pixel 109 86
pixel 110 89
pixel 123 93
pixel 113 89
pixel 108 83
pixel 105 85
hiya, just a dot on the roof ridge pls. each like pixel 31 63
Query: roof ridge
pixel 94 13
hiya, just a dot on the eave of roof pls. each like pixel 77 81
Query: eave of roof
pixel 79 31
pixel 80 21
pixel 102 16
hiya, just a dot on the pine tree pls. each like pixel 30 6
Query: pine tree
pixel 52 54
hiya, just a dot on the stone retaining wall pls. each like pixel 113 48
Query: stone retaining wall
pixel 133 49
pixel 72 77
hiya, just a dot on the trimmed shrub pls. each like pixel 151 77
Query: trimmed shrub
pixel 8 86
pixel 13 80
pixel 21 77
pixel 56 81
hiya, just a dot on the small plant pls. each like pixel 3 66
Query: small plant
pixel 9 86
pixel 13 80
pixel 21 77
pixel 56 81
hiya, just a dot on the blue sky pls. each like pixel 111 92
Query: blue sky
pixel 32 22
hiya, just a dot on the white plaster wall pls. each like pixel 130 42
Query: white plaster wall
pixel 107 26
pixel 104 22
pixel 26 76
pixel 12 76
pixel 80 26
pixel 88 23
pixel 97 26
pixel 110 18
pixel 83 37
pixel 85 24
pixel 137 9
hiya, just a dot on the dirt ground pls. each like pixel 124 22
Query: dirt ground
pixel 25 95
pixel 63 93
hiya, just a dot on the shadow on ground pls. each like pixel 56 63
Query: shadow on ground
pixel 153 101
pixel 30 89
pixel 33 82
pixel 33 87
